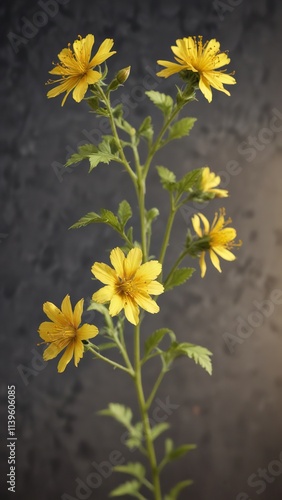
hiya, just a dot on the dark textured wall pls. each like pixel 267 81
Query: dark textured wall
pixel 235 416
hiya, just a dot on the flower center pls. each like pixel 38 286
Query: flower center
pixel 126 287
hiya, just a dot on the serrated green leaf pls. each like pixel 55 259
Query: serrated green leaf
pixel 167 177
pixel 179 277
pixel 189 181
pixel 100 157
pixel 132 468
pixel 128 488
pixel 105 217
pixel 119 412
pixel 158 429
pixel 199 354
pixel 124 212
pixel 146 129
pixel 83 153
pixel 180 128
pixel 135 438
pixel 162 101
pixel 153 341
pixel 173 494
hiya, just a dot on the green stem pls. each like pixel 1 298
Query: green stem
pixel 154 390
pixel 180 258
pixel 116 136
pixel 168 229
pixel 145 417
pixel 157 142
pixel 109 361
pixel 141 190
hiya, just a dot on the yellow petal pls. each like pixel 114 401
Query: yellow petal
pixel 197 225
pixel 155 288
pixel 203 265
pixel 54 314
pixel 131 310
pixel 104 294
pixel 117 258
pixel 80 89
pixel 49 331
pixel 104 273
pixel 171 68
pixel 88 42
pixel 103 52
pixel 78 310
pixel 116 305
pixel 66 357
pixel 66 308
pixel 132 262
pixel 87 331
pixel 146 303
pixel 224 253
pixel 148 271
pixel 78 351
pixel 54 349
pixel 93 76
pixel 205 88
pixel 205 222
pixel 215 260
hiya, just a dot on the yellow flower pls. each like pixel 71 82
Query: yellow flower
pixel 63 331
pixel 220 239
pixel 208 183
pixel 129 284
pixel 76 68
pixel 192 55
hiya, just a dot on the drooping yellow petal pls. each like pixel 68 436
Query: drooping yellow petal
pixel 205 222
pixel 197 225
pixel 215 260
pixel 224 253
pixel 66 357
pixel 87 331
pixel 205 88
pixel 80 89
pixel 203 265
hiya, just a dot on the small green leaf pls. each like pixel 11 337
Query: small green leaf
pixel 83 153
pixel 153 341
pixel 162 101
pixel 179 452
pixel 180 128
pixel 124 212
pixel 106 217
pixel 173 494
pixel 119 412
pixel 158 429
pixel 128 488
pixel 100 157
pixel 167 177
pixel 179 277
pixel 132 468
pixel 135 438
pixel 189 181
pixel 199 354
pixel 146 129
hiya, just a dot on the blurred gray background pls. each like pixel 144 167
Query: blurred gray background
pixel 234 416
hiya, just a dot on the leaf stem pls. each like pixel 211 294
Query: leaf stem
pixel 154 390
pixel 168 229
pixel 109 361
